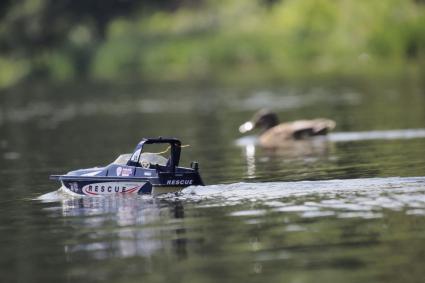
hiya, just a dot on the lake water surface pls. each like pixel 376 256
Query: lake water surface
pixel 349 208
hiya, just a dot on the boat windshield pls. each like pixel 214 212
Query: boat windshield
pixel 147 158
pixel 122 159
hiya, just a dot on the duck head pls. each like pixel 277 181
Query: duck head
pixel 263 119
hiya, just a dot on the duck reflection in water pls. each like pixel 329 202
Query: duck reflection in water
pixel 275 135
pixel 274 159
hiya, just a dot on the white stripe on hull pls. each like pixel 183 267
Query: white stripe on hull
pixel 112 188
pixel 107 188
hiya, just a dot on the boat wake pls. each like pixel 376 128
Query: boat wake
pixel 272 190
pixel 352 197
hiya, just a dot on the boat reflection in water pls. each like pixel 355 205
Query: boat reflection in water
pixel 123 226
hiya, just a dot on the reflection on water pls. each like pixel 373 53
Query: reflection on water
pixel 120 226
pixel 308 150
pixel 127 215
pixel 250 160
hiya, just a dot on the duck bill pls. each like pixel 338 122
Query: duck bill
pixel 246 127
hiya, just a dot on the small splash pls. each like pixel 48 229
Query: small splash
pixel 59 195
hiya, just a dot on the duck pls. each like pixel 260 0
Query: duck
pixel 275 134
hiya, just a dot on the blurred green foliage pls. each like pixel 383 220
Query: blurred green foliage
pixel 234 40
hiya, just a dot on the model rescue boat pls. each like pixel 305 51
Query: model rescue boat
pixel 137 173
